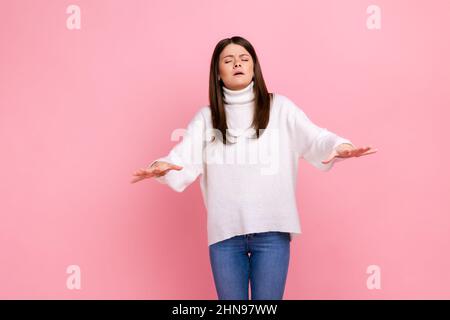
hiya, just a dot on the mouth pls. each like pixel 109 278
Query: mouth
pixel 239 74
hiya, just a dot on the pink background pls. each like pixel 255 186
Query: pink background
pixel 81 110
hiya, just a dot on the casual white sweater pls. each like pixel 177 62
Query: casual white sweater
pixel 250 185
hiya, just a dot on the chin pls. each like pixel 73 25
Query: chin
pixel 240 82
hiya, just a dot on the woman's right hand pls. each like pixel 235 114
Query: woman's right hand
pixel 158 169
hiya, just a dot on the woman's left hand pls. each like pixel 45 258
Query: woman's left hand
pixel 345 150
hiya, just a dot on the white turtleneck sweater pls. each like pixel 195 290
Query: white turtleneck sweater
pixel 249 186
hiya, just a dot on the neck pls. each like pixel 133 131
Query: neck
pixel 238 97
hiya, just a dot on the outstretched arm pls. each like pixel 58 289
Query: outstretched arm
pixel 317 145
pixel 184 163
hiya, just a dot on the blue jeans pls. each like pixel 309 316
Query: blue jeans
pixel 261 258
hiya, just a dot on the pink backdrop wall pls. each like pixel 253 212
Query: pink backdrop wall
pixel 82 109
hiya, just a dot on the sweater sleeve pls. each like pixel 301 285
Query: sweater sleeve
pixel 187 153
pixel 312 142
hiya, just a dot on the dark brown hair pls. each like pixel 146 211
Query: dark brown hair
pixel 263 98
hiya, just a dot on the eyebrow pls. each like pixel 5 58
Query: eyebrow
pixel 230 55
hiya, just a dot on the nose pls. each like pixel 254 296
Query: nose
pixel 237 64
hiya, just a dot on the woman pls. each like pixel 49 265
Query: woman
pixel 251 204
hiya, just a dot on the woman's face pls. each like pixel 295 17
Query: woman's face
pixel 235 67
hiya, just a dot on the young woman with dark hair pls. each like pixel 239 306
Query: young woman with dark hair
pixel 245 145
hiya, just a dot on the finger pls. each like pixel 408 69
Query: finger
pixel 137 179
pixel 144 175
pixel 138 172
pixel 157 173
pixel 176 167
pixel 362 150
pixel 369 152
pixel 368 149
pixel 148 173
pixel 155 170
pixel 358 152
pixel 329 158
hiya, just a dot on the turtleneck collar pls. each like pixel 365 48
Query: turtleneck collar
pixel 238 97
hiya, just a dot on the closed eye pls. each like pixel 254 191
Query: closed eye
pixel 242 60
